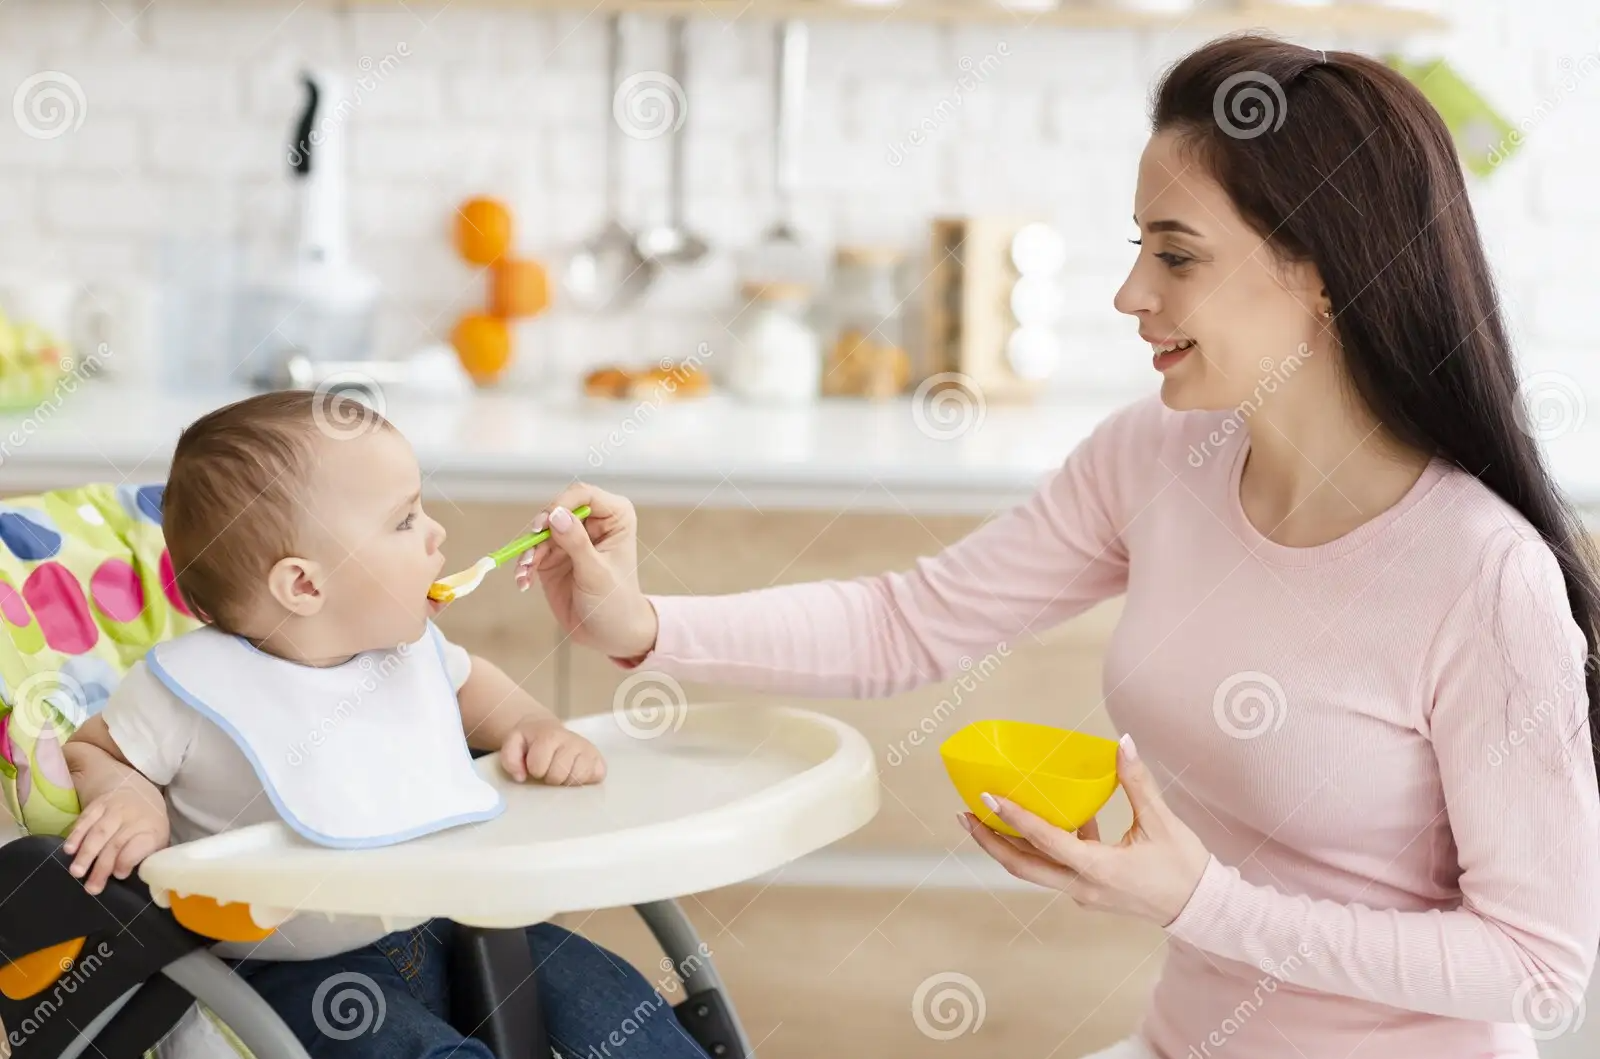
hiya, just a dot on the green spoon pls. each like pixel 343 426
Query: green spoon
pixel 455 586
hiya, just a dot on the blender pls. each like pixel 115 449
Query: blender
pixel 319 306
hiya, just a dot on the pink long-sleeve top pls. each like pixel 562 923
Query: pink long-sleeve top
pixel 1383 740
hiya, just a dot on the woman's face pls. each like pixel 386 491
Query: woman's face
pixel 1222 313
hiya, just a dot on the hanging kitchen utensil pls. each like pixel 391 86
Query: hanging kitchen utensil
pixel 782 255
pixel 608 272
pixel 791 91
pixel 673 243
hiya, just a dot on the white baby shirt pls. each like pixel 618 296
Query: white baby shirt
pixel 211 787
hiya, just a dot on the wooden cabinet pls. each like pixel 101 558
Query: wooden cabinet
pixel 1053 679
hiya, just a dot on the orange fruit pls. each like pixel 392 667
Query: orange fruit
pixel 483 343
pixel 483 230
pixel 517 288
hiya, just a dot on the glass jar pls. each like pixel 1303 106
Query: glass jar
pixel 867 343
pixel 779 354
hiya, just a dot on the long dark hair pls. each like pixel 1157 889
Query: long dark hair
pixel 1338 160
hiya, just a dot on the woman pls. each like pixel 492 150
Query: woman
pixel 1330 514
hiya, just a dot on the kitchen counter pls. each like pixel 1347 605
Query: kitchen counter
pixel 711 452
pixel 708 452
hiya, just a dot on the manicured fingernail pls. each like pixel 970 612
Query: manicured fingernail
pixel 1128 748
pixel 561 519
pixel 966 825
pixel 991 801
pixel 538 522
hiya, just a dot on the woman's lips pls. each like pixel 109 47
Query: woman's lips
pixel 1164 361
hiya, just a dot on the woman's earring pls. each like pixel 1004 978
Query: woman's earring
pixel 1327 314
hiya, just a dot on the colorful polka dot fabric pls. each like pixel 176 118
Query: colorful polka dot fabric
pixel 86 587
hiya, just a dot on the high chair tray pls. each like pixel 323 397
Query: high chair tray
pixel 733 792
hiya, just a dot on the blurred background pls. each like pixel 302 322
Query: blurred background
pixel 821 284
pixel 154 143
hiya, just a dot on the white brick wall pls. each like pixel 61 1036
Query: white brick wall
pixel 189 105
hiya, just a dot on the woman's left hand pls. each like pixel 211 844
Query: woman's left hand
pixel 1150 874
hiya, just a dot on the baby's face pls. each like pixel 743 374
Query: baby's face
pixel 379 550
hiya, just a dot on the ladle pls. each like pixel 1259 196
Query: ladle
pixel 608 272
pixel 673 243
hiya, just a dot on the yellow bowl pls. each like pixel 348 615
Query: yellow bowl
pixel 1063 776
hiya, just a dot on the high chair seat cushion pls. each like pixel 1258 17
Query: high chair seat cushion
pixel 86 587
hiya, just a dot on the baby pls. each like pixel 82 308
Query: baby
pixel 296 526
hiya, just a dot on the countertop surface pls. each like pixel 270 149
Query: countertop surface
pixel 955 457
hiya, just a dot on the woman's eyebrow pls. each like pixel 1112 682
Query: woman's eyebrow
pixel 1170 226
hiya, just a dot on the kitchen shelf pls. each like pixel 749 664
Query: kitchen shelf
pixel 1372 19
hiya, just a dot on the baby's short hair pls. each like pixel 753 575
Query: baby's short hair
pixel 238 474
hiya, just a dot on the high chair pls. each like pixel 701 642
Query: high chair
pixel 713 795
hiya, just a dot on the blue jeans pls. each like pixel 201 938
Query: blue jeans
pixel 391 1000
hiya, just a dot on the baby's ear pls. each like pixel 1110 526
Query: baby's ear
pixel 296 584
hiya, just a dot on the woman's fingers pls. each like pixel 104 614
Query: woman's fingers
pixel 530 562
pixel 552 567
pixel 577 544
pixel 606 510
pixel 553 564
pixel 1061 846
pixel 1090 832
pixel 1144 793
pixel 1020 863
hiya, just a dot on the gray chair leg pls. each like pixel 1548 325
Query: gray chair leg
pixel 87 1035
pixel 240 1007
pixel 682 945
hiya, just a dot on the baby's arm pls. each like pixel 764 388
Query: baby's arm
pixel 533 743
pixel 124 817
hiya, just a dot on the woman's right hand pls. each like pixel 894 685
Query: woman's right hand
pixel 589 572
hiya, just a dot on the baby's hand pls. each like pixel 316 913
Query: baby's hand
pixel 117 831
pixel 546 750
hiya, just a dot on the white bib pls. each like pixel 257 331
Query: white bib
pixel 368 753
